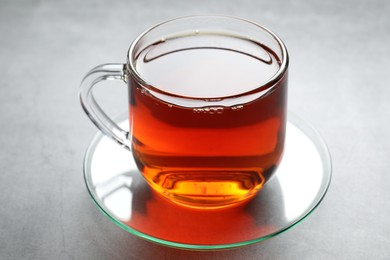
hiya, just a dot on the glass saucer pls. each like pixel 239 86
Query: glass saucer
pixel 297 188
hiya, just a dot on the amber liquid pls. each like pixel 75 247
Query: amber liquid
pixel 218 151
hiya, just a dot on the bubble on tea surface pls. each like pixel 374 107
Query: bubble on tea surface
pixel 208 110
pixel 237 108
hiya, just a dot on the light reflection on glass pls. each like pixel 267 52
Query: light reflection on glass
pixel 111 184
pixel 295 198
pixel 117 196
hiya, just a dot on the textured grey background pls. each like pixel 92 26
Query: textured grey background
pixel 339 81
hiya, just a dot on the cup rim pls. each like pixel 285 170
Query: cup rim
pixel 270 83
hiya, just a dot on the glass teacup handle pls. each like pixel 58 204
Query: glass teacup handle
pixel 114 71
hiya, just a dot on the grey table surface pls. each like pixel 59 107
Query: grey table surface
pixel 339 81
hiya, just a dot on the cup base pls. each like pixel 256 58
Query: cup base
pixel 208 189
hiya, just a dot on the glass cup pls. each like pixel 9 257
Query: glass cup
pixel 207 108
